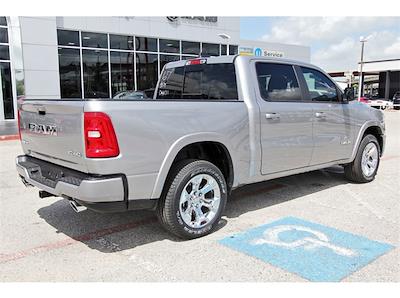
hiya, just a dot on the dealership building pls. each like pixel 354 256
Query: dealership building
pixel 98 57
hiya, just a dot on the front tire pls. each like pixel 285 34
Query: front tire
pixel 365 166
pixel 194 200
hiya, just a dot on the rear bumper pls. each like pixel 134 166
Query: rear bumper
pixel 101 193
pixel 64 182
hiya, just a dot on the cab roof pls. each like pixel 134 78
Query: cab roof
pixel 232 58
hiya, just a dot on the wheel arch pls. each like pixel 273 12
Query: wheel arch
pixel 203 144
pixel 376 131
pixel 374 128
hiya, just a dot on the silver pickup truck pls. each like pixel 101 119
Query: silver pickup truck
pixel 213 125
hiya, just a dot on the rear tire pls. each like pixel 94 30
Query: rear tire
pixel 187 207
pixel 365 166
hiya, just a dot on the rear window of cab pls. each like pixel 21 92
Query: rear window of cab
pixel 199 82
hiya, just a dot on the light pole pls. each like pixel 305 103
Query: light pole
pixel 363 40
pixel 227 38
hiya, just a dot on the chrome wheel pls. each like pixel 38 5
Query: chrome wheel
pixel 369 160
pixel 200 200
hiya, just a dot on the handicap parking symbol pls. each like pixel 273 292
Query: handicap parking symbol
pixel 313 251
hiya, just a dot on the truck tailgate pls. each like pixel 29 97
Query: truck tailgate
pixel 53 131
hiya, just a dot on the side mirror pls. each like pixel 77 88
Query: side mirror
pixel 348 94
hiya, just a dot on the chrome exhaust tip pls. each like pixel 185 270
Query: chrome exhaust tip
pixel 76 207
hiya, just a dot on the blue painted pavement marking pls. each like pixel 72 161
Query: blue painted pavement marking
pixel 313 251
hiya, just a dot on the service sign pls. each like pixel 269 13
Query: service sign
pixel 275 54
pixel 268 53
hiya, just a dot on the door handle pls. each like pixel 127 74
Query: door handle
pixel 272 116
pixel 320 115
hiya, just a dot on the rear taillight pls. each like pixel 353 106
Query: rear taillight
pixel 19 124
pixel 100 138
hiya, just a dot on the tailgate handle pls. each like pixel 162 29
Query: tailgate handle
pixel 41 110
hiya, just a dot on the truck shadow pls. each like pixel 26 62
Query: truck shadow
pixel 264 194
pixel 115 232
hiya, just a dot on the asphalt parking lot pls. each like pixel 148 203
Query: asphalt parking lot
pixel 45 240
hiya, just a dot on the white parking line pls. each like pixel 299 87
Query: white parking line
pixel 151 267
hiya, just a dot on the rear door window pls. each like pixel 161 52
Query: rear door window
pixel 199 82
pixel 277 82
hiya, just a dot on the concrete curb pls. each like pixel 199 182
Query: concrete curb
pixel 9 138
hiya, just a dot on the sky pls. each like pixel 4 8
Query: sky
pixel 334 41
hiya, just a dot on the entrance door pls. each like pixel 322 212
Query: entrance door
pixel 6 94
pixel 286 120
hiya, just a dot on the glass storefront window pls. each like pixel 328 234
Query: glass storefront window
pixel 6 88
pixel 146 44
pixel 233 50
pixel 169 46
pixel 70 73
pixel 223 49
pixel 3 35
pixel 121 42
pixel 94 40
pixel 68 38
pixel 210 49
pixel 95 73
pixel 164 59
pixel 20 82
pixel 146 71
pixel 4 53
pixel 122 72
pixel 3 21
pixel 103 77
pixel 190 47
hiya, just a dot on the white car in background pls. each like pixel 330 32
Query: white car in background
pixel 381 104
pixel 377 103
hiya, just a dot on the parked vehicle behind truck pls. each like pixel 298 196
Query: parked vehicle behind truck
pixel 213 125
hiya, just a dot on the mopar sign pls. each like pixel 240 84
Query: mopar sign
pixel 258 52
